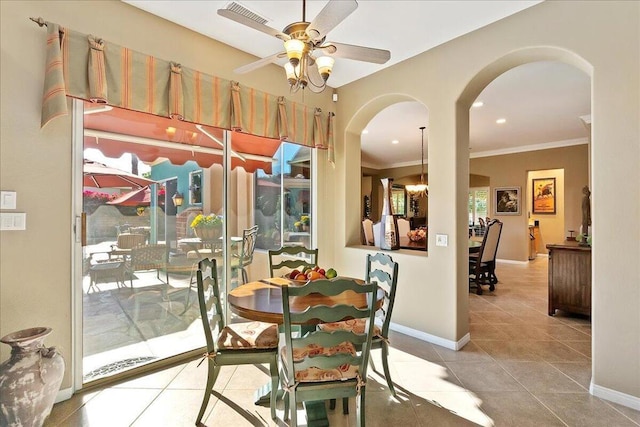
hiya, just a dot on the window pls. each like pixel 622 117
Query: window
pixel 398 200
pixel 283 199
pixel 478 204
pixel 195 187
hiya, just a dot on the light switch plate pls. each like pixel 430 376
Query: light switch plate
pixel 442 240
pixel 8 199
pixel 13 221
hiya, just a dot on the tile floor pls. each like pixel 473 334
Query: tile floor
pixel 521 368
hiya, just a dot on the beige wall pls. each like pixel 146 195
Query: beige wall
pixel 570 167
pixel 600 38
pixel 35 278
pixel 36 273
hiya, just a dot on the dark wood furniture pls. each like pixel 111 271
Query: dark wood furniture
pixel 417 222
pixel 569 278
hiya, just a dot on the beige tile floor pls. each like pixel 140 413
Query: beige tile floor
pixel 521 368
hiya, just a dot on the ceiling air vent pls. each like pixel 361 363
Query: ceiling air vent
pixel 238 8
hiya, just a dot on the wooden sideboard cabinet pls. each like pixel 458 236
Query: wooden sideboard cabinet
pixel 569 278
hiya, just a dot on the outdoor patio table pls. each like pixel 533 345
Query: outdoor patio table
pixel 106 270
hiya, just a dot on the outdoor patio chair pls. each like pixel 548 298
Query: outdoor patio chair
pixel 244 257
pixel 382 270
pixel 147 257
pixel 291 257
pixel 234 344
pixel 322 365
pixel 127 241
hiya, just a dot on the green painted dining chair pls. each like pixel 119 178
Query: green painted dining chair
pixel 382 270
pixel 321 365
pixel 246 343
pixel 288 258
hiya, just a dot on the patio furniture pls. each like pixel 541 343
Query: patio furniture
pixel 104 271
pixel 243 258
pixel 322 365
pixel 291 257
pixel 482 265
pixel 234 344
pixel 127 241
pixel 147 257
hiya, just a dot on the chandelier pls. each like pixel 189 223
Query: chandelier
pixel 303 69
pixel 419 190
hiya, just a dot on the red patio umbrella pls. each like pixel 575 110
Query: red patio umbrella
pixel 97 175
pixel 139 197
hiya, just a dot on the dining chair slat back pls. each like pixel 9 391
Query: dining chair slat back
pixel 243 258
pixel 482 264
pixel 226 344
pixel 321 364
pixel 290 258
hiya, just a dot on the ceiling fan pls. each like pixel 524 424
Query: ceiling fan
pixel 310 56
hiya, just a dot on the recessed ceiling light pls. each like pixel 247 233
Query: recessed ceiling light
pixel 501 121
pixel 395 141
pixel 477 104
pixel 365 131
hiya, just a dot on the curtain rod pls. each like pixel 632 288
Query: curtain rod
pixel 41 22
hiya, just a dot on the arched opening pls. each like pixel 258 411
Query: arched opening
pixel 527 176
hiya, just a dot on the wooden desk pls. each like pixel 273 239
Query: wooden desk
pixel 569 278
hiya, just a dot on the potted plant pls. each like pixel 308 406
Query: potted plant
pixel 305 220
pixel 207 227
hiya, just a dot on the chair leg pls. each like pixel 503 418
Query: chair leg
pixel 245 276
pixel 273 370
pixel 293 407
pixel 360 408
pixel 285 399
pixel 385 367
pixel 211 380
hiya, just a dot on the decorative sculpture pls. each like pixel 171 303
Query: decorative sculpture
pixel 586 216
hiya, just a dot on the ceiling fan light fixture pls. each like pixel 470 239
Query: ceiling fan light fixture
pixel 295 49
pixel 325 66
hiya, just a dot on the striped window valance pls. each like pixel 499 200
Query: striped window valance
pixel 89 68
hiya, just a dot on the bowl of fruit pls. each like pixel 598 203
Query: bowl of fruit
pixel 310 274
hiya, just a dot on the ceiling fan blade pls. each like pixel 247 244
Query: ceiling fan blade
pixel 359 53
pixel 235 16
pixel 260 63
pixel 331 15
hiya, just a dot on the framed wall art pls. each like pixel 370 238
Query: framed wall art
pixel 506 200
pixel 544 196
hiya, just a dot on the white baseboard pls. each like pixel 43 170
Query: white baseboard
pixel 542 255
pixel 433 339
pixel 512 261
pixel 64 395
pixel 614 396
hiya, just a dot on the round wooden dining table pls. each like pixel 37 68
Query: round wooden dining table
pixel 262 300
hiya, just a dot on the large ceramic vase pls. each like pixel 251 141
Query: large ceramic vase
pixel 30 379
pixel 389 239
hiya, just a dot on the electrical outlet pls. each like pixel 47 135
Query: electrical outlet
pixel 442 240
